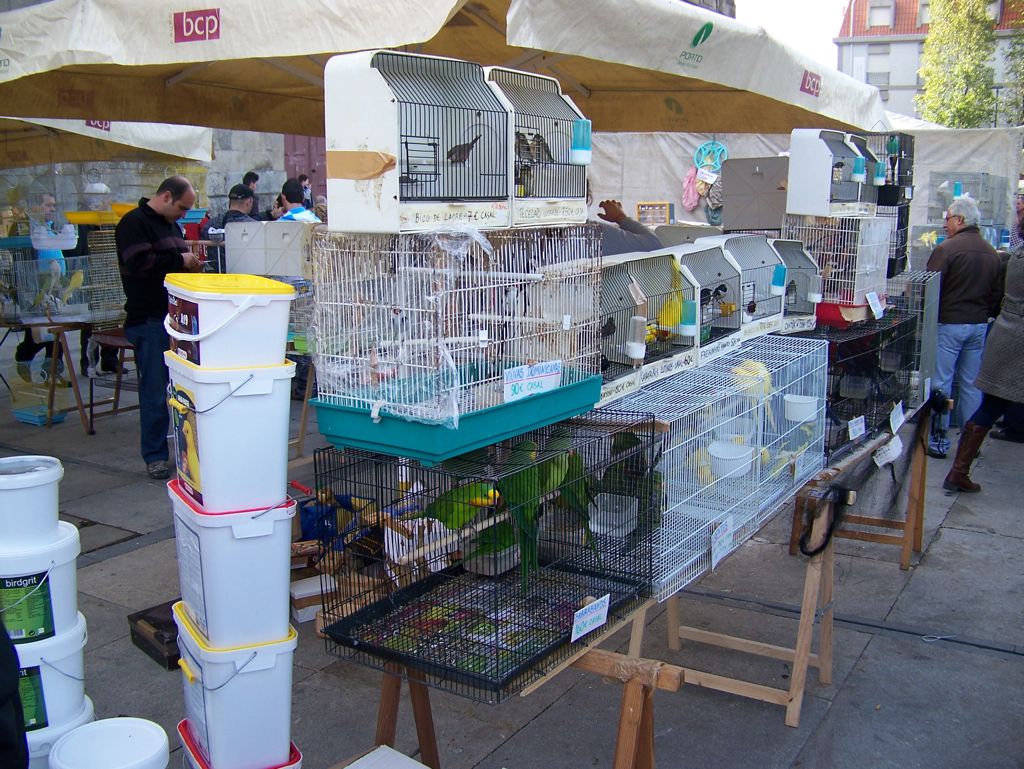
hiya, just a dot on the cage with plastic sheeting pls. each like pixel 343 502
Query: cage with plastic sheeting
pixel 13 251
pixel 718 297
pixel 648 311
pixel 53 287
pixel 853 256
pixel 414 143
pixel 803 286
pixel 707 473
pixel 899 222
pixel 917 294
pixel 419 334
pixel 990 191
pixel 551 149
pixel 788 379
pixel 471 571
pixel 762 281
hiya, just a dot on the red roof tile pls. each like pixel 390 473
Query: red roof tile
pixel 906 20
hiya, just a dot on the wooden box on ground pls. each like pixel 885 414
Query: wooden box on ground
pixel 153 630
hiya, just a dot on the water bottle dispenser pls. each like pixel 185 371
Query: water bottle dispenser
pixel 859 170
pixel 688 319
pixel 581 153
pixel 778 287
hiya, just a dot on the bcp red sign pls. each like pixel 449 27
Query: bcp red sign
pixel 811 83
pixel 102 125
pixel 190 26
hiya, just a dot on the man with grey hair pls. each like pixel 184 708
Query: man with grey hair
pixel 969 294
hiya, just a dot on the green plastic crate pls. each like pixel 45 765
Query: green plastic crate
pixel 349 427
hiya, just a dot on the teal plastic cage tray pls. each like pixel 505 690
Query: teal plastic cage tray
pixel 351 427
pixel 36 415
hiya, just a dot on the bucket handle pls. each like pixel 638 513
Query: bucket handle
pixel 63 673
pixel 239 670
pixel 183 408
pixel 183 337
pixel 53 565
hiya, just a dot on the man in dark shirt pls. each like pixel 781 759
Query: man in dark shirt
pixel 969 294
pixel 149 246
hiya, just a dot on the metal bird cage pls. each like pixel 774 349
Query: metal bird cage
pixel 549 188
pixel 788 379
pixel 762 281
pixel 829 174
pixel 414 143
pixel 896 150
pixel 803 286
pixel 471 571
pixel 105 290
pixel 707 470
pixel 13 251
pixel 718 283
pixel 53 288
pixel 917 294
pixel 493 334
pixel 989 191
pixel 644 298
pixel 899 220
pixel 852 254
pixel 868 375
pixel 300 313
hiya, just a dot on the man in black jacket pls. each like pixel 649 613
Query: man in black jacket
pixel 149 246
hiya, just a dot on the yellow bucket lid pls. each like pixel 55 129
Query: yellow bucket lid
pixel 179 612
pixel 219 283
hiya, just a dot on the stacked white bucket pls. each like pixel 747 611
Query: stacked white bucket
pixel 39 602
pixel 230 399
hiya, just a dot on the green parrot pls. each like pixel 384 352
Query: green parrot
pixel 521 493
pixel 459 506
pixel 553 469
pixel 577 496
pixel 465 465
pixel 493 539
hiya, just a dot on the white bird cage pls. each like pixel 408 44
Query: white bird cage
pixel 829 175
pixel 645 298
pixel 853 256
pixel 550 178
pixel 435 328
pixel 53 288
pixel 788 377
pixel 718 283
pixel 268 248
pixel 414 143
pixel 13 251
pixel 896 150
pixel 898 217
pixel 917 293
pixel 706 479
pixel 681 234
pixel 300 313
pixel 105 290
pixel 803 286
pixel 762 281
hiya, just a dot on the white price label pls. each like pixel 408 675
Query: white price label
pixel 721 541
pixel 877 308
pixel 896 418
pixel 857 427
pixel 890 452
pixel 524 381
pixel 590 617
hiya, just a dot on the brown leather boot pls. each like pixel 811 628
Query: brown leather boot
pixel 959 477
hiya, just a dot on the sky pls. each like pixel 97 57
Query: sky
pixel 818 22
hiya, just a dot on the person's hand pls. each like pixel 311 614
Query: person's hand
pixel 192 263
pixel 612 211
pixel 277 212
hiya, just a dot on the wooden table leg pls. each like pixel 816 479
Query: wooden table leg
pixel 828 569
pixel 805 631
pixel 636 636
pixel 69 366
pixel 672 620
pixel 387 714
pixel 797 527
pixel 423 718
pixel 632 742
pixel 915 497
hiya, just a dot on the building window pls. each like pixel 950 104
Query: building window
pixel 880 13
pixel 878 49
pixel 883 94
pixel 878 78
pixel 923 15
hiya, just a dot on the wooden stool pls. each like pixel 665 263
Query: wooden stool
pixel 113 338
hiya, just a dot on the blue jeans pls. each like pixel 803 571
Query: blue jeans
pixel 150 341
pixel 957 356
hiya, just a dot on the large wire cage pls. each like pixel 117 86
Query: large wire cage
pixel 707 472
pixel 453 131
pixel 762 274
pixel 803 279
pixel 896 150
pixel 471 571
pixel 425 327
pixel 13 251
pixel 300 313
pixel 543 126
pixel 718 293
pixel 644 301
pixel 899 219
pixel 53 288
pixel 989 191
pixel 867 376
pixel 916 293
pixel 788 378
pixel 852 254
pixel 105 290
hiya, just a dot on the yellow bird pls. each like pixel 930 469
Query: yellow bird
pixel 700 460
pixel 671 312
pixel 74 283
pixel 191 454
pixel 756 381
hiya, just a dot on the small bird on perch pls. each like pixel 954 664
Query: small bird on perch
pixel 460 152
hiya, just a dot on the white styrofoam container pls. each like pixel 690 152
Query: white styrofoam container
pixel 28 500
pixel 41 741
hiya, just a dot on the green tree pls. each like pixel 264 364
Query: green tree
pixel 956 68
pixel 1012 107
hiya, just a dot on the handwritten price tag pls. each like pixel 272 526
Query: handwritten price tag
pixel 877 308
pixel 857 427
pixel 524 381
pixel 590 617
pixel 896 418
pixel 721 541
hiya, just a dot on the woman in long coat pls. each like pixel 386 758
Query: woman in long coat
pixel 1001 378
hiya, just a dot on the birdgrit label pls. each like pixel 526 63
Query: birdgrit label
pixel 524 381
pixel 27 607
pixel 590 617
pixel 33 700
pixel 184 317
